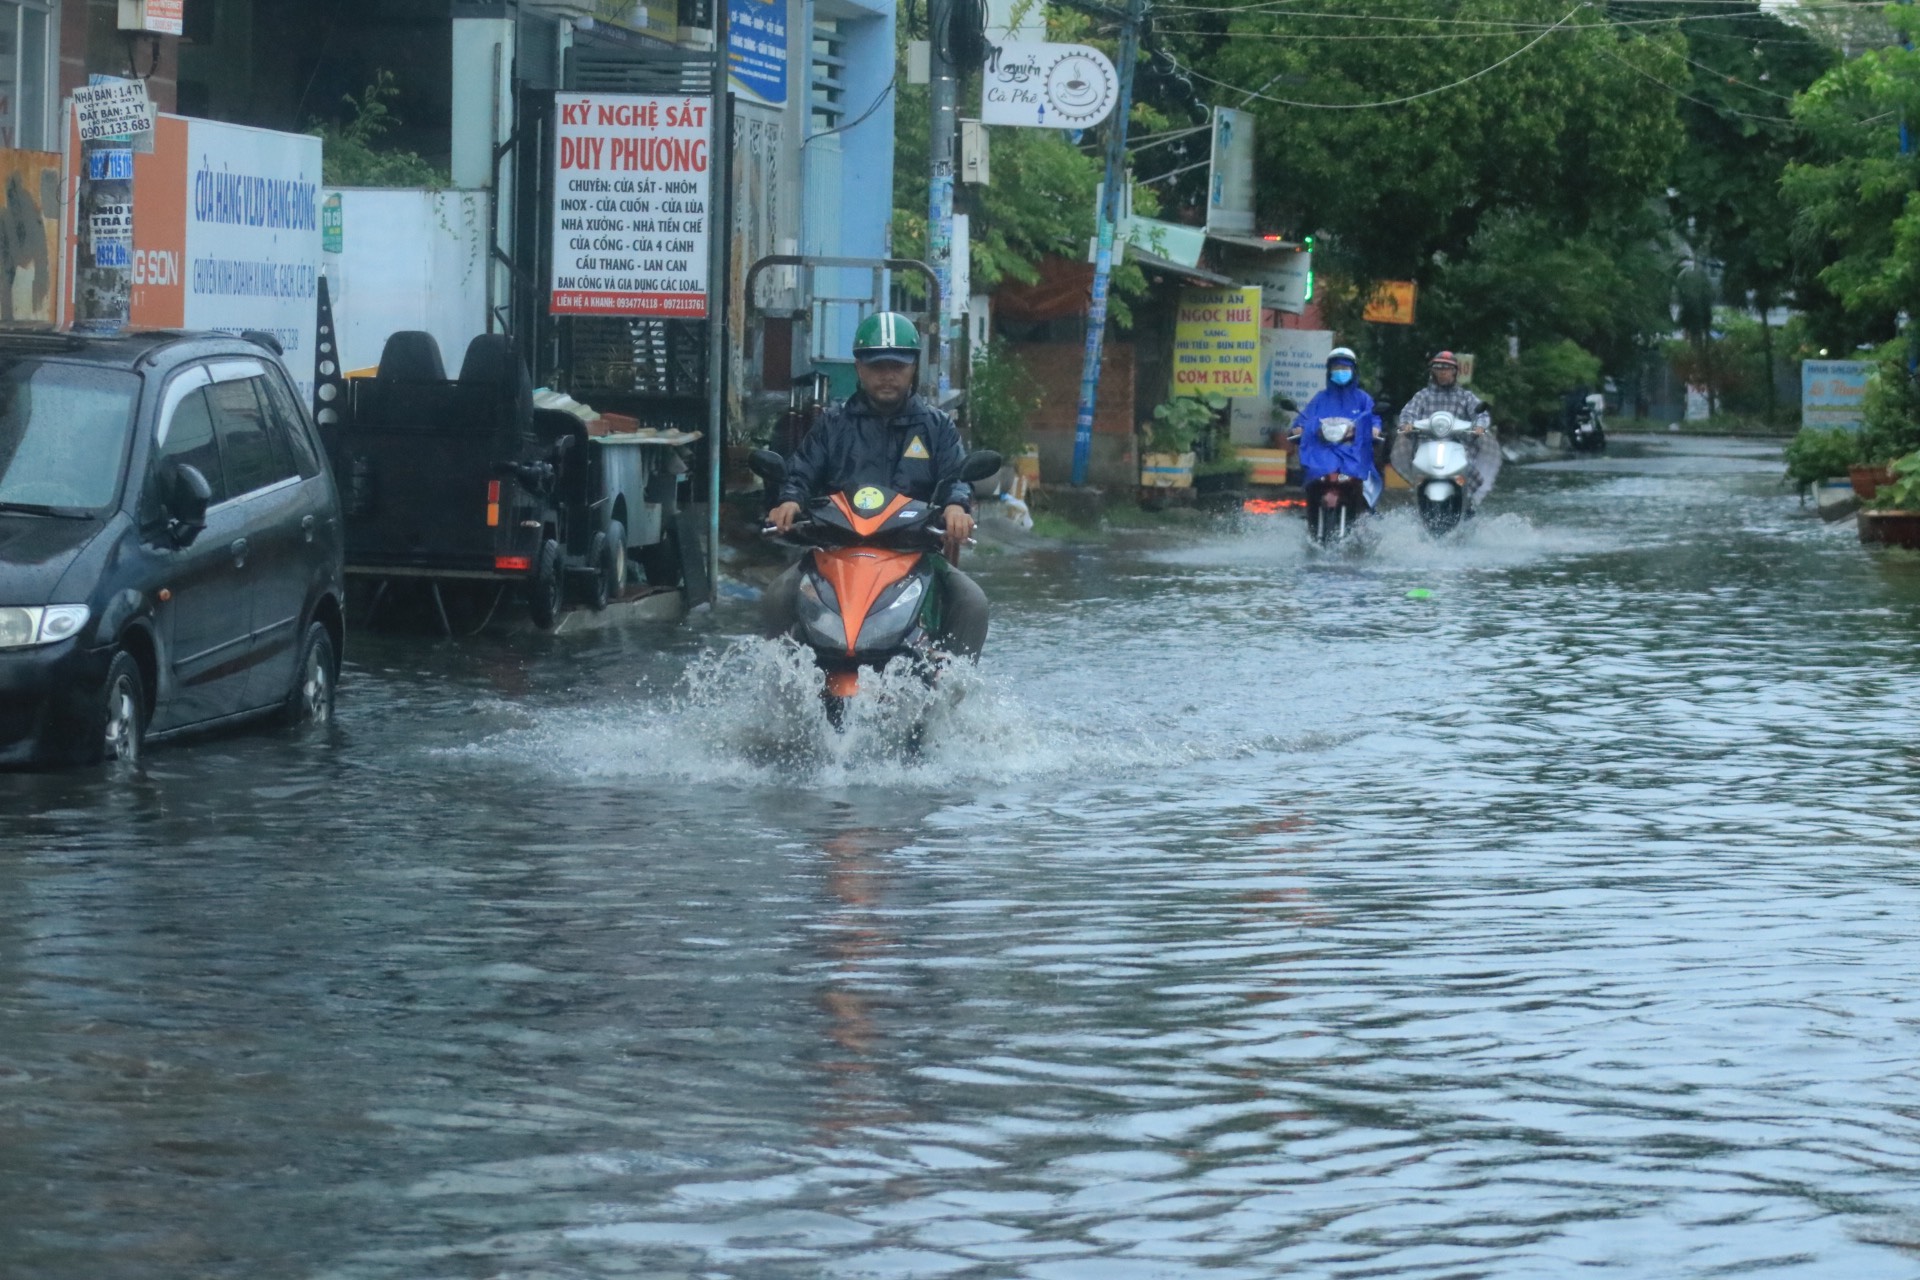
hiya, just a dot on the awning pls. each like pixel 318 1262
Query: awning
pixel 1253 242
pixel 1154 262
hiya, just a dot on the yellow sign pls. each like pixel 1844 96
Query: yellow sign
pixel 1392 303
pixel 1216 343
pixel 917 449
pixel 869 499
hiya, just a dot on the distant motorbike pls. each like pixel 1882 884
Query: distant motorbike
pixel 1589 435
pixel 1449 463
pixel 867 592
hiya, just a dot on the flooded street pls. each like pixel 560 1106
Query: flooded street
pixel 1248 916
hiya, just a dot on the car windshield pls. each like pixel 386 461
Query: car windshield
pixel 63 433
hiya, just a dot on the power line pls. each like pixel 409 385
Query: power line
pixel 1389 102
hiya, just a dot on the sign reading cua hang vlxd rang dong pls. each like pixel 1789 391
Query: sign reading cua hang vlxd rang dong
pixel 632 194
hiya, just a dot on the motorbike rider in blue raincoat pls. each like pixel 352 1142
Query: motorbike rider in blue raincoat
pixel 1341 400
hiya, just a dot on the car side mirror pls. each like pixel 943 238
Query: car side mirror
pixel 769 466
pixel 187 500
pixel 981 464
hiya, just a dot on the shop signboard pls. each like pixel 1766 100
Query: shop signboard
pixel 757 48
pixel 226 234
pixel 1283 276
pixel 1832 392
pixel 1230 173
pixel 1297 361
pixel 1216 342
pixel 1392 303
pixel 1048 86
pixel 631 197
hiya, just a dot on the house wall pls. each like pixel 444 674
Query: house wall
pixel 1055 369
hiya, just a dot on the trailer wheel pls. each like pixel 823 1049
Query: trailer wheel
pixel 543 591
pixel 661 560
pixel 617 545
pixel 596 583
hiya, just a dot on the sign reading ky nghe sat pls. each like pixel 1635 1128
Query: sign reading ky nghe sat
pixel 1216 343
pixel 631 195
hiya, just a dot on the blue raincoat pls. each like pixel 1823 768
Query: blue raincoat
pixel 1353 456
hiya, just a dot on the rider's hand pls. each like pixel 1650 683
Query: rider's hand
pixel 783 516
pixel 959 524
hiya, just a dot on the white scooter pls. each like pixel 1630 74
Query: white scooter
pixel 1449 472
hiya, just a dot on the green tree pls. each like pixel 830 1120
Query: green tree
pixel 1858 197
pixel 351 154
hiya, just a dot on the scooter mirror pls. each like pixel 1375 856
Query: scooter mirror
pixel 768 465
pixel 979 465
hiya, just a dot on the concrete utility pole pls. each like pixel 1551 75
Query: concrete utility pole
pixel 943 94
pixel 1103 251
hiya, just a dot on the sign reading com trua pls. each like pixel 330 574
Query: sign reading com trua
pixel 631 199
pixel 1216 342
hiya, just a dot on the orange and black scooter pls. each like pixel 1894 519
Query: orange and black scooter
pixel 867 589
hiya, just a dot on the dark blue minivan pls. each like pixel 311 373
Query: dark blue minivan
pixel 170 544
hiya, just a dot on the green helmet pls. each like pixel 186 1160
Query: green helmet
pixel 886 335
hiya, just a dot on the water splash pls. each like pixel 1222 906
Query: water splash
pixel 751 712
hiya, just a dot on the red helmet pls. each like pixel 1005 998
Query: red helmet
pixel 1443 359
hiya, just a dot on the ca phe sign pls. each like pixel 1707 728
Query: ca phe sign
pixel 631 224
pixel 1216 343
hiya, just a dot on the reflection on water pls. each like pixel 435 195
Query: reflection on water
pixel 1243 916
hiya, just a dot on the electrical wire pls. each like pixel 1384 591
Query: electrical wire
pixel 1389 102
pixel 842 128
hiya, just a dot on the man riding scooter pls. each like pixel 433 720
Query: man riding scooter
pixel 1337 431
pixel 887 436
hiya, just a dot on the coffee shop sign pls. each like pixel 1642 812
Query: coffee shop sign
pixel 1048 86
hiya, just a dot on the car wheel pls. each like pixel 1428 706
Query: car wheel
pixel 617 544
pixel 121 730
pixel 543 592
pixel 310 701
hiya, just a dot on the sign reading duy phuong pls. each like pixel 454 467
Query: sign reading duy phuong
pixel 631 196
pixel 1216 343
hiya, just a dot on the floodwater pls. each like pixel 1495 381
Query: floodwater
pixel 1246 917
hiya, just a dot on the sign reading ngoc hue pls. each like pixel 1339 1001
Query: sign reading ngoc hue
pixel 1216 343
pixel 631 196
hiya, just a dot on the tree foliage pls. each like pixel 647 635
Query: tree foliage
pixel 351 154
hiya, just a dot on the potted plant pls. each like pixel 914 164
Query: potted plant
pixel 1815 456
pixel 1895 518
pixel 1167 462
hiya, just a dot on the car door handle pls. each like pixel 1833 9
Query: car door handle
pixel 239 549
pixel 306 527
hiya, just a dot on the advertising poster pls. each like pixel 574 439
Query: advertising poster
pixel 226 234
pixel 1392 303
pixel 1832 392
pixel 1216 342
pixel 757 48
pixel 630 229
pixel 30 249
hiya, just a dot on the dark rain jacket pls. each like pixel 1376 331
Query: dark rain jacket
pixel 916 452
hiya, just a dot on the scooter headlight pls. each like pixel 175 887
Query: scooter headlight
pixel 49 624
pixel 1441 425
pixel 1336 430
pixel 819 613
pixel 887 625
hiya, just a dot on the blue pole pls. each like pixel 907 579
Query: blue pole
pixel 1103 245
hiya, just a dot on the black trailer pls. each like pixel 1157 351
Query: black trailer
pixel 466 481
